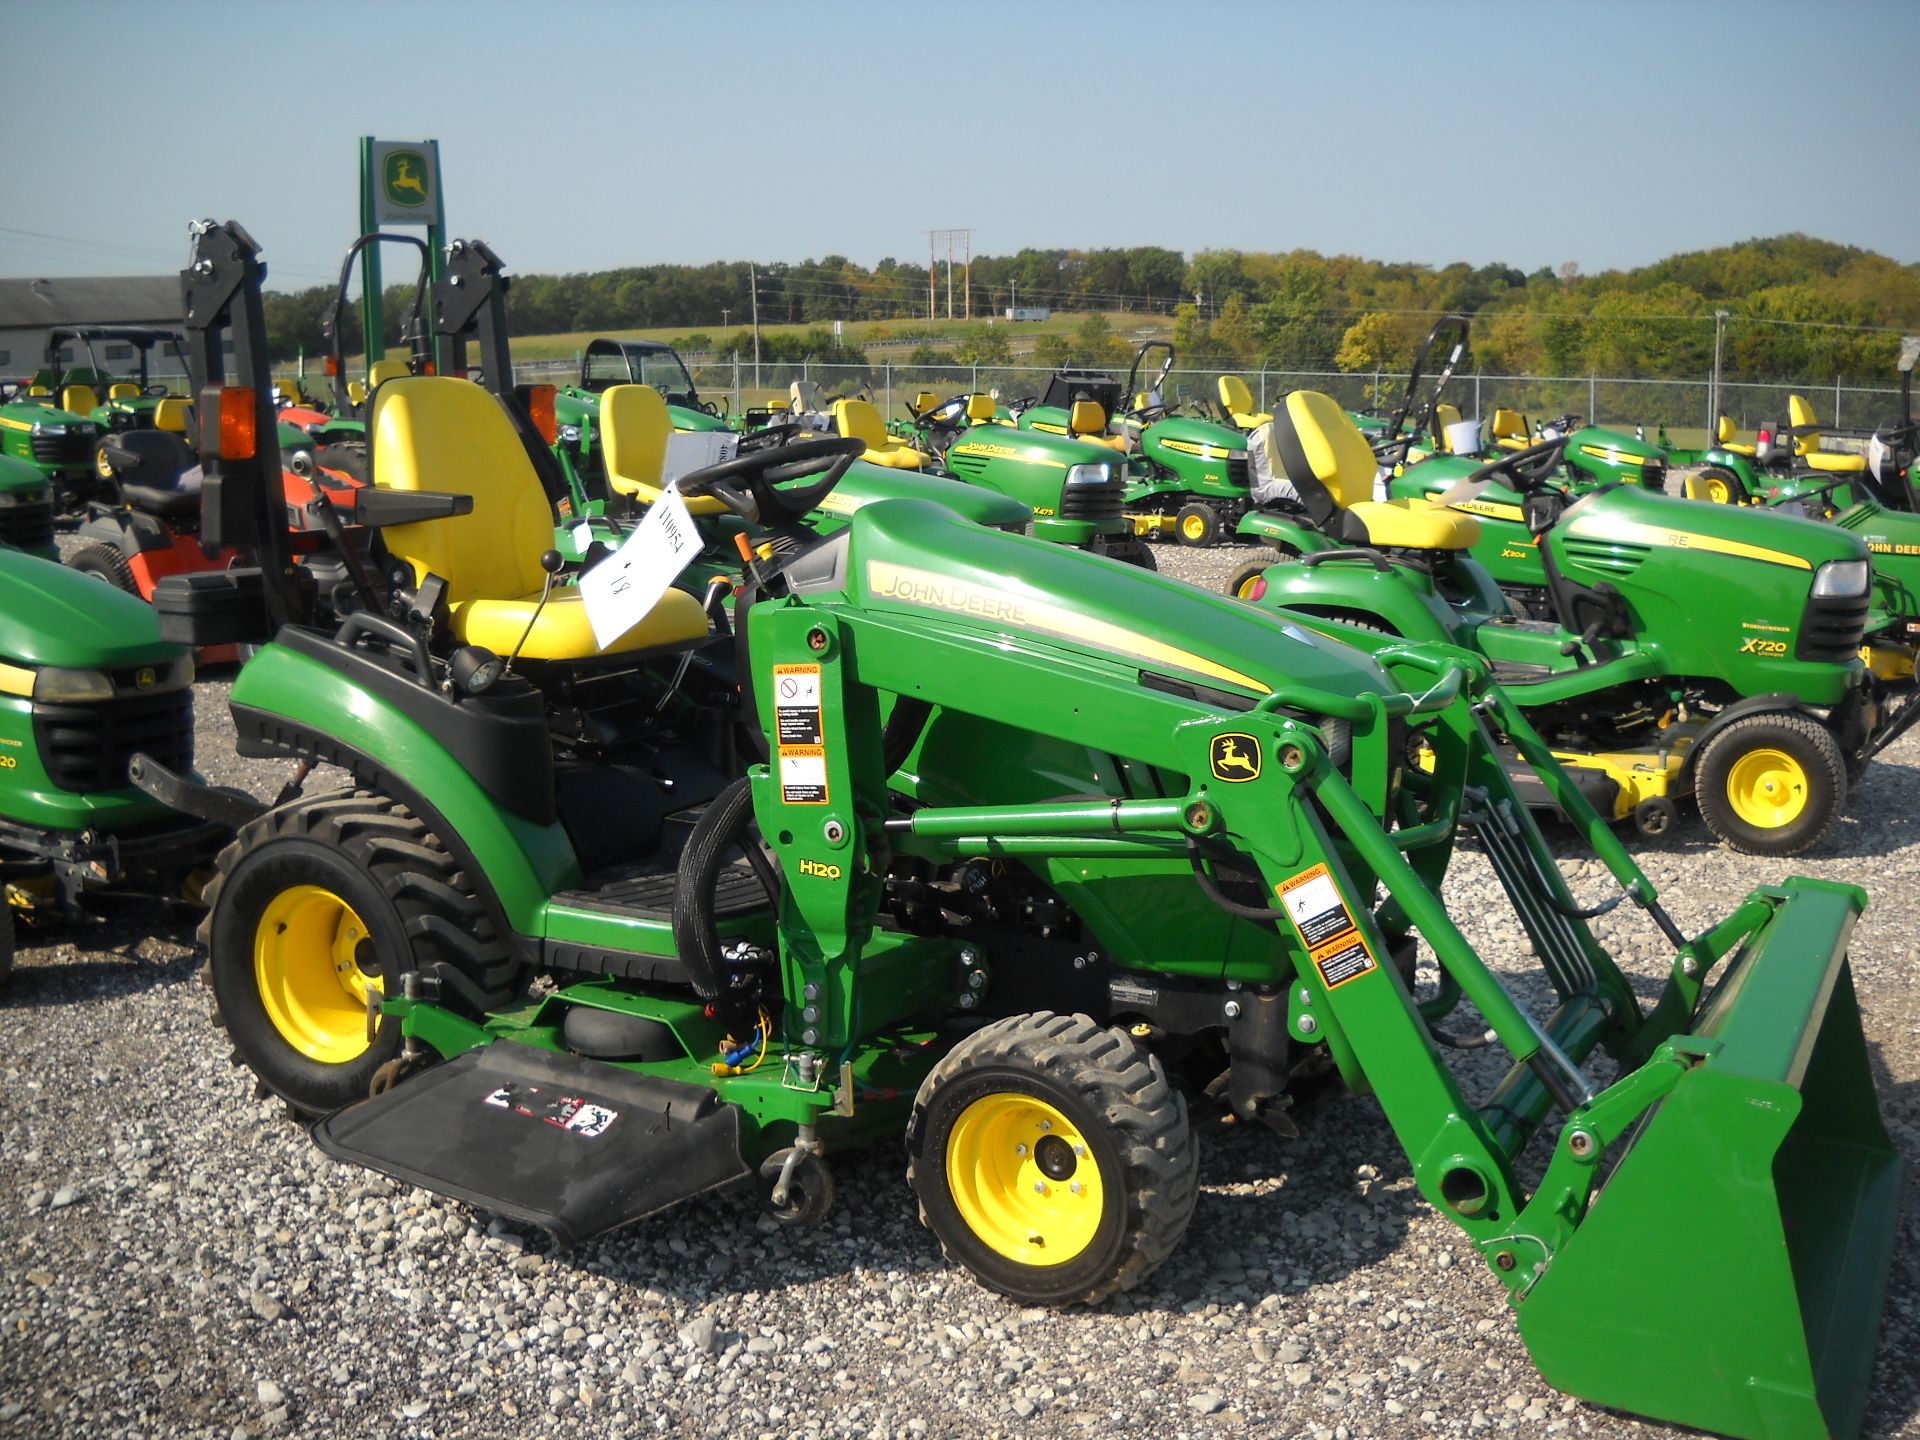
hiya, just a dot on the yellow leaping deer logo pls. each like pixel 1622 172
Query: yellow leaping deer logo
pixel 1234 758
pixel 405 178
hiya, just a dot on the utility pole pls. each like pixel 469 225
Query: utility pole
pixel 1720 318
pixel 753 288
pixel 725 315
pixel 964 239
pixel 930 277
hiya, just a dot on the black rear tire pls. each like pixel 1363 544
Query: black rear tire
pixel 1241 581
pixel 349 888
pixel 1771 784
pixel 1197 525
pixel 1112 1159
pixel 1723 486
pixel 104 562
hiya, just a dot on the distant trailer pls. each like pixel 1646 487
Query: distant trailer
pixel 1029 312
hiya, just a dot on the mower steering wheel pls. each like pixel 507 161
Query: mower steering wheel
pixel 1526 470
pixel 768 437
pixel 155 392
pixel 763 470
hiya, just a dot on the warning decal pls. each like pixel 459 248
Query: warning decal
pixel 573 1113
pixel 796 704
pixel 1318 912
pixel 803 774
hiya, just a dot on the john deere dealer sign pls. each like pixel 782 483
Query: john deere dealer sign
pixel 404 177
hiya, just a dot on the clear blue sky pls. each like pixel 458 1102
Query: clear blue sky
pixel 585 136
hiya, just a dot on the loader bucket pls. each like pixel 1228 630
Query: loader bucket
pixel 1729 1275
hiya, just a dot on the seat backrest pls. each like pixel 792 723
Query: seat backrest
pixel 1509 425
pixel 38 390
pixel 356 392
pixel 858 419
pixel 435 432
pixel 1316 446
pixel 123 390
pixel 1443 416
pixel 1725 430
pixel 924 401
pixel 285 391
pixel 1087 418
pixel 381 371
pixel 804 397
pixel 634 426
pixel 1235 395
pixel 79 399
pixel 1799 413
pixel 980 408
pixel 171 414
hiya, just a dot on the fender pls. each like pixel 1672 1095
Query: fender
pixel 1380 592
pixel 1283 532
pixel 1772 702
pixel 287 703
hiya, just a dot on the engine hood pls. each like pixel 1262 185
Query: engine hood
pixel 50 615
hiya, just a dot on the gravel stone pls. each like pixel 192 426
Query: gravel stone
pixel 1313 1272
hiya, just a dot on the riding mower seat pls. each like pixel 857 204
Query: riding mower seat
pixel 982 409
pixel 1806 447
pixel 171 415
pixel 1313 443
pixel 1723 436
pixel 858 420
pixel 634 427
pixel 1237 400
pixel 1509 430
pixel 439 433
pixel 148 466
pixel 1088 422
pixel 123 390
pixel 79 399
pixel 381 371
pixel 1444 416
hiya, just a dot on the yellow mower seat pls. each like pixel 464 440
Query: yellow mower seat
pixel 1319 449
pixel 356 392
pixel 1443 416
pixel 171 414
pixel 381 371
pixel 1807 447
pixel 79 399
pixel 1723 434
pixel 434 432
pixel 1237 400
pixel 981 408
pixel 1509 430
pixel 123 390
pixel 860 421
pixel 38 391
pixel 634 427
pixel 1087 421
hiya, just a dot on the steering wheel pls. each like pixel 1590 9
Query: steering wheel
pixel 768 437
pixel 155 392
pixel 763 470
pixel 1525 470
pixel 1564 424
pixel 947 415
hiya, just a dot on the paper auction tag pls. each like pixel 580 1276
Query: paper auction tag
pixel 621 590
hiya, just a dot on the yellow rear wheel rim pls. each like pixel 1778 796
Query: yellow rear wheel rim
pixel 1245 590
pixel 1718 490
pixel 1767 788
pixel 1194 527
pixel 1024 1180
pixel 306 969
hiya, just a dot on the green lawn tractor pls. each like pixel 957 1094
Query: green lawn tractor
pixel 1034 838
pixel 58 443
pixel 1685 650
pixel 26 508
pixel 609 362
pixel 86 683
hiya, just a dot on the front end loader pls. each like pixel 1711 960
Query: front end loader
pixel 1014 840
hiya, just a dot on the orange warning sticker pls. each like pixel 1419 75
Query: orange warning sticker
pixel 1313 902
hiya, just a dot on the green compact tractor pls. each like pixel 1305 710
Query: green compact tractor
pixel 134 398
pixel 609 362
pixel 86 684
pixel 1687 650
pixel 1027 839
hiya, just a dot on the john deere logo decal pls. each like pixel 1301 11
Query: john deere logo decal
pixel 145 678
pixel 1234 758
pixel 405 178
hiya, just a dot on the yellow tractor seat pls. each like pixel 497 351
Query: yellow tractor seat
pixel 433 432
pixel 1237 400
pixel 123 390
pixel 38 391
pixel 79 399
pixel 171 414
pixel 1509 430
pixel 981 408
pixel 356 392
pixel 859 420
pixel 1723 434
pixel 1807 447
pixel 1088 421
pixel 381 371
pixel 634 427
pixel 286 392
pixel 1836 462
pixel 1331 465
pixel 1443 416
pixel 924 401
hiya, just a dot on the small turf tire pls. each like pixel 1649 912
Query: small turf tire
pixel 1052 1158
pixel 104 563
pixel 1718 484
pixel 1240 584
pixel 809 1190
pixel 1197 525
pixel 1771 784
pixel 313 907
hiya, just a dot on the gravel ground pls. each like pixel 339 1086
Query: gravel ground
pixel 180 1260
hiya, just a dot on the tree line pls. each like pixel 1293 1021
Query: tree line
pixel 1796 307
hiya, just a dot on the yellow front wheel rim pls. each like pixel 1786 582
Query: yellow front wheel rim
pixel 1718 490
pixel 306 966
pixel 1767 788
pixel 1245 590
pixel 1024 1180
pixel 1194 527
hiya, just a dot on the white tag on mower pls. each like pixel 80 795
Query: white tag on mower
pixel 622 589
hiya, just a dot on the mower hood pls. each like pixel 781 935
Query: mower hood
pixel 916 558
pixel 50 615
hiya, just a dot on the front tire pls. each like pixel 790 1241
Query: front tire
pixel 1240 584
pixel 1771 784
pixel 1052 1159
pixel 315 906
pixel 1719 484
pixel 104 563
